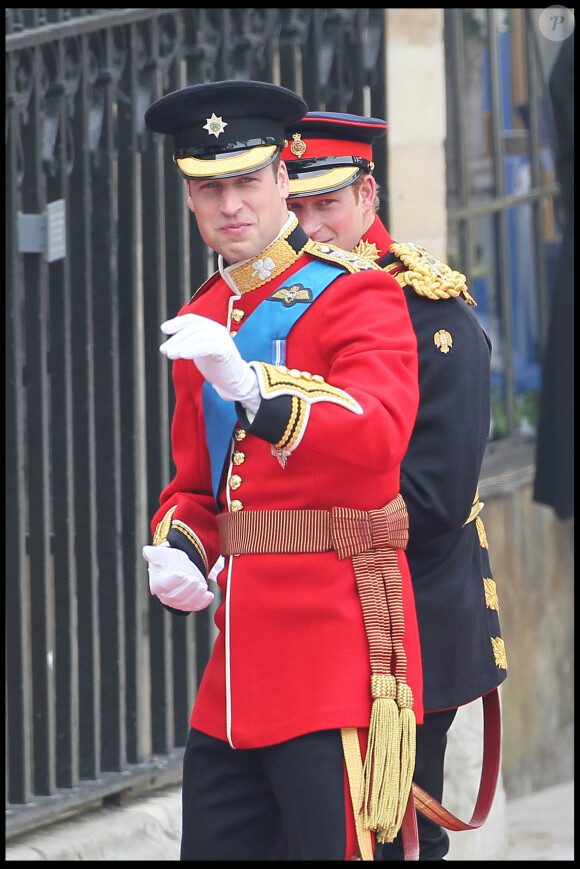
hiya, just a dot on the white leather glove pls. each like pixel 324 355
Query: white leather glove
pixel 175 579
pixel 213 350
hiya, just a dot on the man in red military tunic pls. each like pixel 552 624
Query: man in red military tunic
pixel 334 195
pixel 295 374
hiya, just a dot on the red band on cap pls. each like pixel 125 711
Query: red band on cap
pixel 328 148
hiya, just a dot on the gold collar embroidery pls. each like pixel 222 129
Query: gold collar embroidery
pixel 269 264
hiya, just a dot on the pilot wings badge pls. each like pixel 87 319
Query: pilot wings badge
pixel 292 295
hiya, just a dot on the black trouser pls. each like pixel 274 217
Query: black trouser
pixel 431 745
pixel 285 801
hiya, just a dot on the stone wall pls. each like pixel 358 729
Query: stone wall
pixel 416 134
pixel 531 551
pixel 531 554
pixel 532 560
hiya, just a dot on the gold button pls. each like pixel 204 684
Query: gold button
pixel 306 375
pixel 240 434
pixel 238 315
pixel 236 506
pixel 238 457
pixel 282 369
pixel 318 377
pixel 233 333
pixel 294 372
pixel 235 481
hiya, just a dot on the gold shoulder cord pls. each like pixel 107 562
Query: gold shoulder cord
pixel 428 276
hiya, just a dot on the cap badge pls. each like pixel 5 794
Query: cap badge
pixel 443 340
pixel 214 125
pixel 298 147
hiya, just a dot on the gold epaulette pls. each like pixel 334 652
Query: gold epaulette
pixel 426 275
pixel 346 258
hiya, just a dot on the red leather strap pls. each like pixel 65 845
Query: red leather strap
pixel 432 809
pixel 489 775
pixel 409 831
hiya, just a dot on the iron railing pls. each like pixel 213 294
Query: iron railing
pixel 100 249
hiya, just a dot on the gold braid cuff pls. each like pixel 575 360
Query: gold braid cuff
pixel 165 526
pixel 296 425
pixel 371 539
pixel 275 380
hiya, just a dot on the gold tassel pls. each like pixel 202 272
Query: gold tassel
pixel 408 746
pixel 406 762
pixel 381 769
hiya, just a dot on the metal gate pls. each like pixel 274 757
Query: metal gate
pixel 100 248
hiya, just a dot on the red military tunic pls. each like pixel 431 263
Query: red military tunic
pixel 291 655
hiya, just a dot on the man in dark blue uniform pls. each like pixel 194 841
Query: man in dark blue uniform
pixel 334 195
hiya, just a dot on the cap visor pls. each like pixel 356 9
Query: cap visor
pixel 322 182
pixel 225 165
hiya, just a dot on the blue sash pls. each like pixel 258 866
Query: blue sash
pixel 264 342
